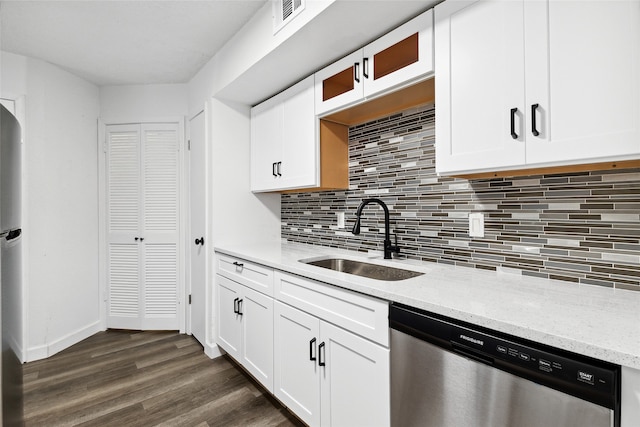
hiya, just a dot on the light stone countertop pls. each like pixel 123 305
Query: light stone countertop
pixel 600 322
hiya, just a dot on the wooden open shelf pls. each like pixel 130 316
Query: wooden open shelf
pixel 411 96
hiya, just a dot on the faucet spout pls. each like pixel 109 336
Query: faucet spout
pixel 388 247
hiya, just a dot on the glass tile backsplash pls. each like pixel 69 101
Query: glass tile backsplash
pixel 581 227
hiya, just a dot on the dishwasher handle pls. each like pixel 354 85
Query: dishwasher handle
pixel 471 353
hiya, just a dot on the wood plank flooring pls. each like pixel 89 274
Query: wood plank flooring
pixel 130 378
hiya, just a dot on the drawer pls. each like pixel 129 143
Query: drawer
pixel 360 314
pixel 254 276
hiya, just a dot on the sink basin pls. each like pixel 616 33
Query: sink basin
pixel 365 269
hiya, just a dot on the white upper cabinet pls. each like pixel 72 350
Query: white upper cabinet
pixel 525 84
pixel 583 72
pixel 400 57
pixel 480 80
pixel 284 142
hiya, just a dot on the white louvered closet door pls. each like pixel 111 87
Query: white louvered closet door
pixel 143 226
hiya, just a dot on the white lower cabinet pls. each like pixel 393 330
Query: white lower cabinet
pixel 321 350
pixel 297 374
pixel 329 376
pixel 245 328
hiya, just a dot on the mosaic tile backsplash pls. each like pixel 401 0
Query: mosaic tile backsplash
pixel 581 227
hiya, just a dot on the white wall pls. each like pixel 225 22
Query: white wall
pixel 61 203
pixel 237 214
pixel 139 102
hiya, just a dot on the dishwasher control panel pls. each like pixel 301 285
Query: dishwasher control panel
pixel 541 364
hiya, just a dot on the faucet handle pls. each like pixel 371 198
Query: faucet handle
pixel 395 248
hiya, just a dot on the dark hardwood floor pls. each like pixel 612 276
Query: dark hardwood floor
pixel 129 378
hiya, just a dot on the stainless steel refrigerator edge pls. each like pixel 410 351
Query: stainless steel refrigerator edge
pixel 11 268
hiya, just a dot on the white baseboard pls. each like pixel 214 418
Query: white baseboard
pixel 48 350
pixel 213 351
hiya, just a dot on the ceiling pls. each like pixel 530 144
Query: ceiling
pixel 123 42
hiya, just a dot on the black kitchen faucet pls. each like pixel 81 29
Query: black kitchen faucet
pixel 388 247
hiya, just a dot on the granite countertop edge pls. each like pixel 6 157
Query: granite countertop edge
pixel 595 321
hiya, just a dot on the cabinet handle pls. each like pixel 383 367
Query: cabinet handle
pixel 514 135
pixel 278 169
pixel 365 67
pixel 311 347
pixel 142 239
pixel 238 264
pixel 240 307
pixel 356 72
pixel 235 305
pixel 136 238
pixel 200 241
pixel 534 131
pixel 321 359
pixel 273 169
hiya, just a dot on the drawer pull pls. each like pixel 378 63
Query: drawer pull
pixel 235 306
pixel 321 359
pixel 238 264
pixel 311 348
pixel 534 129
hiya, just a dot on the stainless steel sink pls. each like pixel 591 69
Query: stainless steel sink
pixel 365 269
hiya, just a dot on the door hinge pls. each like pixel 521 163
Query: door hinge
pixel 189 298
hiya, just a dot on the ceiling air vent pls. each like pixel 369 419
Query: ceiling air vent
pixel 284 11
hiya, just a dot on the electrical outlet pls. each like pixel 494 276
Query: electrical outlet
pixel 476 224
pixel 340 216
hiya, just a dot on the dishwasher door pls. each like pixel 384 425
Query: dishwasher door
pixel 431 386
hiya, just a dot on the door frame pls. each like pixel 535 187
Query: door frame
pixel 189 287
pixel 211 349
pixel 102 214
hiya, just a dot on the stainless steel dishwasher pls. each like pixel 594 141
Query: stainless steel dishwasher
pixel 446 373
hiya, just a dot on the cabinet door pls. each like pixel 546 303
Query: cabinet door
pixel 400 56
pixel 583 72
pixel 296 372
pixel 339 84
pixel 266 145
pixel 355 380
pixel 229 321
pixel 480 85
pixel 257 336
pixel 300 150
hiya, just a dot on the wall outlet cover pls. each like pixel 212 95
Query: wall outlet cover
pixel 476 224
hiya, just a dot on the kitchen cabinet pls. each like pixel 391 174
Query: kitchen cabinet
pixel 325 371
pixel 526 85
pixel 329 376
pixel 245 323
pixel 396 59
pixel 284 148
pixel 291 149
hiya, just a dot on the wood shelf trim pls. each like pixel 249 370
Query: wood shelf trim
pixel 550 170
pixel 411 96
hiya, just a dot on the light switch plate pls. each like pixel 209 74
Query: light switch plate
pixel 476 224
